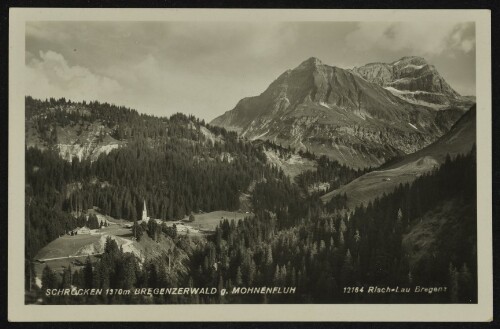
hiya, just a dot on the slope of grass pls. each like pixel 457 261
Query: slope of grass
pixel 209 221
pixel 376 183
pixel 459 140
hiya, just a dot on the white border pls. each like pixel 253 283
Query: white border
pixel 18 311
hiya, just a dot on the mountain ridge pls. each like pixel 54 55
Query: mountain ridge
pixel 412 78
pixel 336 112
pixel 458 141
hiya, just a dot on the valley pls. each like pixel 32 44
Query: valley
pixel 330 178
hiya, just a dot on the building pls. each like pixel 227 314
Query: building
pixel 82 230
pixel 145 217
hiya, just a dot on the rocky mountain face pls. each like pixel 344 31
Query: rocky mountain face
pixel 459 140
pixel 81 139
pixel 337 112
pixel 414 80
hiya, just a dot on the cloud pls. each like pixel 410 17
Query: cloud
pixel 50 75
pixel 205 68
pixel 148 85
pixel 422 37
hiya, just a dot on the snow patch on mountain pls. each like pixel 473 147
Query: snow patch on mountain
pixel 416 67
pixel 413 126
pixel 325 105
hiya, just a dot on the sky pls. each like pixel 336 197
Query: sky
pixel 205 68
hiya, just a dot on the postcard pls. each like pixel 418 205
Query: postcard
pixel 249 165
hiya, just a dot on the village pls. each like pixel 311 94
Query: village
pixel 73 248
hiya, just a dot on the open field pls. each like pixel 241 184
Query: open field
pixel 106 218
pixel 376 183
pixel 73 250
pixel 58 265
pixel 117 230
pixel 66 245
pixel 459 140
pixel 209 221
pixel 78 245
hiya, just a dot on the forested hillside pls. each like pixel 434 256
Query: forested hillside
pixel 317 252
pixel 178 165
pixel 421 234
pixel 326 175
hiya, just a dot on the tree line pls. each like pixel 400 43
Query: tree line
pixel 167 162
pixel 318 251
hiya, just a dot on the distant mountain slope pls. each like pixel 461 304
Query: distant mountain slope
pixel 177 165
pixel 458 140
pixel 74 130
pixel 413 79
pixel 86 141
pixel 336 112
pixel 291 164
pixel 87 130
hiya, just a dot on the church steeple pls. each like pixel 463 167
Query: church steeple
pixel 145 212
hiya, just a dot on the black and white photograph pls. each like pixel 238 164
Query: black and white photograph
pixel 267 161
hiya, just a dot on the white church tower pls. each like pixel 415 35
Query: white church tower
pixel 145 217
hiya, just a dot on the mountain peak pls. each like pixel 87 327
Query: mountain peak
pixel 414 60
pixel 413 79
pixel 319 108
pixel 310 62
